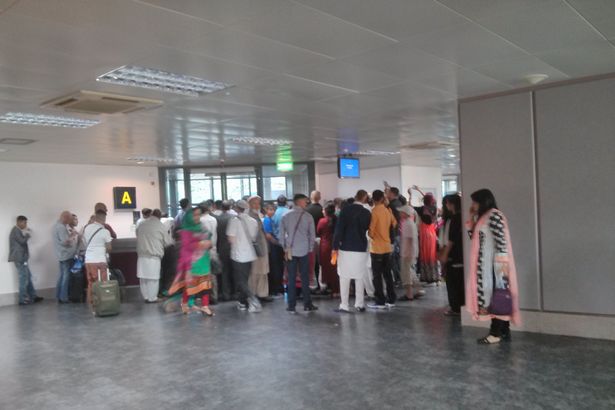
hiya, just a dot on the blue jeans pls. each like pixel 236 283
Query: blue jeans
pixel 62 285
pixel 26 288
pixel 303 264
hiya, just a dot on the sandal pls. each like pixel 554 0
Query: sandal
pixel 207 311
pixel 185 309
pixel 405 298
pixel 489 340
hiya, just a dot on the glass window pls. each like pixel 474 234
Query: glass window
pixel 174 189
pixel 240 185
pixel 450 184
pixel 205 186
pixel 276 183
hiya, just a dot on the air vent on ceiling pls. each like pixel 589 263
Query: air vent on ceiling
pixel 92 102
pixel 16 141
pixel 430 145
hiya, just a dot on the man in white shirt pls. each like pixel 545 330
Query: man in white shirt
pixel 98 243
pixel 242 232
pixel 146 213
pixel 152 239
pixel 209 223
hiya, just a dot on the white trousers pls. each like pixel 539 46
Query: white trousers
pixel 359 300
pixel 368 282
pixel 149 289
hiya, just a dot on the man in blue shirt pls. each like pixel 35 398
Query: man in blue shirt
pixel 277 252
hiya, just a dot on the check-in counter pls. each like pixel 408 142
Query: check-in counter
pixel 123 256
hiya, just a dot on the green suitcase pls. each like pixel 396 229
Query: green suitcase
pixel 106 298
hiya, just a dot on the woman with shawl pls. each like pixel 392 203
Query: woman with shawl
pixel 492 292
pixel 193 267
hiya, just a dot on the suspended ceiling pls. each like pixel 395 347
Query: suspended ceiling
pixel 332 76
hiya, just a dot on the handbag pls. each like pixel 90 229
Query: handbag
pixel 258 249
pixel 288 252
pixel 501 303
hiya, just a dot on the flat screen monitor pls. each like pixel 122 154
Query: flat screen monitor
pixel 348 168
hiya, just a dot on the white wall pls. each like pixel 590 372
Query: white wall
pixel 42 191
pixel 330 186
pixel 424 178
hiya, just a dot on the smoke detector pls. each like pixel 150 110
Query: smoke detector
pixel 534 79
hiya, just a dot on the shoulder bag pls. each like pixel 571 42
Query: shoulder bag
pixel 288 252
pixel 258 249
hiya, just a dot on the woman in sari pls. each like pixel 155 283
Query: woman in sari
pixel 492 292
pixel 193 267
pixel 428 238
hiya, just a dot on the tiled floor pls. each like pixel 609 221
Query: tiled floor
pixel 60 357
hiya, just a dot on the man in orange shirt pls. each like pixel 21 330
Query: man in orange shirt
pixel 380 228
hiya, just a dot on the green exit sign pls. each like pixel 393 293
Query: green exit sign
pixel 285 166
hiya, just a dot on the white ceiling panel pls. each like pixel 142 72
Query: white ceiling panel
pixel 533 29
pixel 589 59
pixel 257 51
pixel 220 12
pixel 395 18
pixel 468 45
pixel 346 75
pixel 600 13
pixel 465 83
pixel 208 68
pixel 134 20
pixel 482 9
pixel 513 72
pixel 402 61
pixel 312 30
pixel 299 87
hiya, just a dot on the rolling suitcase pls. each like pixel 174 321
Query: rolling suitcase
pixel 105 297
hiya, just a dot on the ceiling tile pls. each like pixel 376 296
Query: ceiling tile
pixel 465 83
pixel 311 30
pixel 209 68
pixel 295 86
pixel 260 52
pixel 346 75
pixel 589 59
pixel 402 61
pixel 600 13
pixel 394 18
pixel 513 72
pixel 467 45
pixel 481 9
pixel 220 12
pixel 533 29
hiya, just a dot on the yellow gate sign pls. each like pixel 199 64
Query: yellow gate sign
pixel 125 197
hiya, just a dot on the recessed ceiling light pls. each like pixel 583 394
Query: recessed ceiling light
pixel 152 79
pixel 16 141
pixel 260 141
pixel 143 159
pixel 46 120
pixel 376 153
pixel 534 79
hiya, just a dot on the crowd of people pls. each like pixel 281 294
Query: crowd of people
pixel 367 246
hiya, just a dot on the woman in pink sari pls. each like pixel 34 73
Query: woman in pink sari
pixel 492 291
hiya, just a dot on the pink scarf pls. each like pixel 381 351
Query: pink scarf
pixel 471 288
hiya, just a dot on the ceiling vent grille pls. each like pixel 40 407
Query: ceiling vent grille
pixel 92 102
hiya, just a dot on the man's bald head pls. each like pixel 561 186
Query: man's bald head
pixel 315 197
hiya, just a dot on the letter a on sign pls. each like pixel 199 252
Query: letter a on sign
pixel 125 197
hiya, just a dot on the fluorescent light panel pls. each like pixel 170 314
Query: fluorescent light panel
pixel 152 79
pixel 260 141
pixel 45 120
pixel 149 159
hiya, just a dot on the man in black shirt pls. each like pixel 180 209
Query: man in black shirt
pixel 315 209
pixel 223 247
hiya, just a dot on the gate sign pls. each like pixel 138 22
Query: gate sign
pixel 125 197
